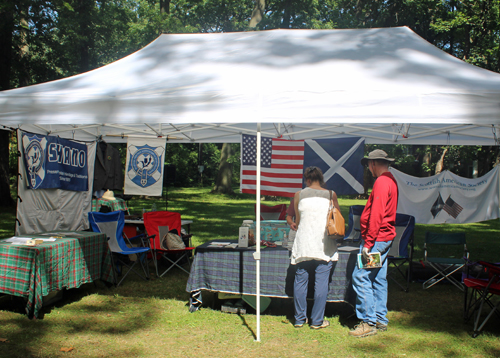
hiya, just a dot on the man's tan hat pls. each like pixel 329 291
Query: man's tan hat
pixel 376 154
pixel 108 195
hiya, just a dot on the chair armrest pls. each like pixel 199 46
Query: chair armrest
pixel 492 267
pixel 188 237
pixel 144 240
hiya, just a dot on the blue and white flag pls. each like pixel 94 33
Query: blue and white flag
pixel 55 163
pixel 144 170
pixel 340 161
pixel 283 163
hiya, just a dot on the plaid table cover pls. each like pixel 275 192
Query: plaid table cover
pixel 234 271
pixel 68 262
pixel 115 205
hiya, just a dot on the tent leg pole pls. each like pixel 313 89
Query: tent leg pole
pixel 257 234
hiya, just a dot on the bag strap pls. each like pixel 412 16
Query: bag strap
pixel 328 211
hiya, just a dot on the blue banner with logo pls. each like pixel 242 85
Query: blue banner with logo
pixel 55 163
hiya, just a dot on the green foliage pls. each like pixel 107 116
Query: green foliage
pixel 66 37
pixel 187 157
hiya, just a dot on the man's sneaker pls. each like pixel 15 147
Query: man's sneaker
pixel 363 330
pixel 322 325
pixel 300 325
pixel 381 327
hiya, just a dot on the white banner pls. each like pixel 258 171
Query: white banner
pixel 448 198
pixel 145 164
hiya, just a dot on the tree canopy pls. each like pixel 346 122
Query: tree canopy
pixel 47 40
pixel 43 40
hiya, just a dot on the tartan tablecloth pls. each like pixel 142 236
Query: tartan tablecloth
pixel 115 205
pixel 33 272
pixel 234 271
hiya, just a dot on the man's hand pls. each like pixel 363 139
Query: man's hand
pixel 366 253
pixel 293 226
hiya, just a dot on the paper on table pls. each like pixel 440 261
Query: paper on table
pixel 18 240
pixel 219 244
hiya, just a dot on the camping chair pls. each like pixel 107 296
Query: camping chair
pixel 157 221
pixel 277 212
pixel 401 250
pixel 353 232
pixel 112 225
pixel 482 291
pixel 445 266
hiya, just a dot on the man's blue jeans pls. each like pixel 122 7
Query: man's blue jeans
pixel 370 286
pixel 321 271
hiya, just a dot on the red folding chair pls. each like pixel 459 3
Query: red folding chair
pixel 152 222
pixel 482 291
pixel 277 212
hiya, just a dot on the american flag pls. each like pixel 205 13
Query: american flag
pixel 282 166
pixel 452 208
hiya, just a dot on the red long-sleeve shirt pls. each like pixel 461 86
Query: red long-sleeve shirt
pixel 379 216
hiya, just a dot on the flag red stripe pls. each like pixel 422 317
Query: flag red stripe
pixel 292 148
pixel 287 157
pixel 286 166
pixel 271 183
pixel 272 175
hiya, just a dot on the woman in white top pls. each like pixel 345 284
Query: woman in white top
pixel 312 250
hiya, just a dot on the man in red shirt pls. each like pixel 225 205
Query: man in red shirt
pixel 377 232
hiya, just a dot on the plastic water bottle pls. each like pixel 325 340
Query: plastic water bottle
pixel 153 207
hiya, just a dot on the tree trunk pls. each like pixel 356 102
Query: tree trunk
pixel 257 13
pixel 224 177
pixel 4 170
pixel 440 163
pixel 164 6
pixel 24 77
pixel 287 17
pixel 84 10
pixel 6 29
pixel 427 159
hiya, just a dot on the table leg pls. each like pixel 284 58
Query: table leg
pixel 195 301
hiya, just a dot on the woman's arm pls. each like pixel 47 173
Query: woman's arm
pixel 296 206
pixel 289 220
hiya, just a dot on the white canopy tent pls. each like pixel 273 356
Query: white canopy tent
pixel 386 85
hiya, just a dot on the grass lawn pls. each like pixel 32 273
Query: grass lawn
pixel 151 319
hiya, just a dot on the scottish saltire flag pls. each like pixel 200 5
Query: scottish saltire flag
pixel 340 161
pixel 144 168
pixel 283 163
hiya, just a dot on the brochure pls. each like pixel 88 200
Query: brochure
pixel 374 261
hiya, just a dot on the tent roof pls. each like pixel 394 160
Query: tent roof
pixel 387 85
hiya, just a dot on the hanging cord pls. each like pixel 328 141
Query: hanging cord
pixel 494 131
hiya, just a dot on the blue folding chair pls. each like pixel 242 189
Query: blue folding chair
pixel 112 225
pixel 353 233
pixel 401 251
